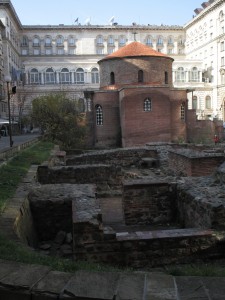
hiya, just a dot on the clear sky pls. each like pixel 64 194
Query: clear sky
pixel 125 12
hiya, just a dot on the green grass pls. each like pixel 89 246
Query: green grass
pixel 10 250
pixel 15 169
pixel 205 270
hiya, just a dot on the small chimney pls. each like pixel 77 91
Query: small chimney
pixel 205 4
pixel 198 10
pixel 211 1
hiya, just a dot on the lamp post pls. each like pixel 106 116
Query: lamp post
pixel 8 80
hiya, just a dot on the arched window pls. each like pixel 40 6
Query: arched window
pixel 34 76
pixel 24 42
pixel 112 78
pixel 208 104
pixel 64 76
pixel 182 112
pixel 36 42
pixel 149 41
pixel 181 41
pixel 80 76
pixel 100 40
pixel 48 41
pixel 122 41
pixel 180 74
pixel 221 19
pixel 221 16
pixel 194 74
pixel 222 76
pixel 170 41
pixel 49 76
pixel 59 41
pixel 194 102
pixel 111 40
pixel 148 104
pixel 166 77
pixel 94 75
pixel 99 115
pixel 71 41
pixel 140 76
pixel 159 41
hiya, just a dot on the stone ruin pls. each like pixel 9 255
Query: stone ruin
pixel 138 207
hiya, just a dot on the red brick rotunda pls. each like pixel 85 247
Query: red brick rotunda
pixel 137 103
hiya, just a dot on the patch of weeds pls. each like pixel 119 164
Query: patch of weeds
pixel 13 172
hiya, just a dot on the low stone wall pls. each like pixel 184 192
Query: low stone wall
pixel 119 157
pixel 149 202
pixel 146 248
pixel 16 220
pixel 13 151
pixel 220 174
pixel 201 204
pixel 108 174
pixel 51 207
pixel 24 225
pixel 194 163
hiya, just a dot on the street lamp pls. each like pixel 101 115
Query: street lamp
pixel 8 80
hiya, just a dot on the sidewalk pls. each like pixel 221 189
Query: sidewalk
pixel 17 140
pixel 23 281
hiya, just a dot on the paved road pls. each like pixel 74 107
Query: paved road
pixel 17 140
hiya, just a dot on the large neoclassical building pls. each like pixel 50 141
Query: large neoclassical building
pixel 64 58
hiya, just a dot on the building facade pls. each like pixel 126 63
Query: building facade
pixel 63 58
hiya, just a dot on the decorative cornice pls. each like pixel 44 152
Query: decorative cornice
pixel 203 13
pixel 8 4
pixel 103 27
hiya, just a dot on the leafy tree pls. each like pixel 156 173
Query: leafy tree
pixel 59 118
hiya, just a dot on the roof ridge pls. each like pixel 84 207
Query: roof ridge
pixel 135 49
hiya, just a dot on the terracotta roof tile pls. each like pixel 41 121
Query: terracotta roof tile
pixel 134 49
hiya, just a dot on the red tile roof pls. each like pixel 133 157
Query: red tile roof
pixel 134 49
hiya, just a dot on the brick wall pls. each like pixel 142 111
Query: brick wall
pixel 118 157
pixel 97 174
pixel 199 212
pixel 147 202
pixel 145 249
pixel 193 163
pixel 126 70
pixel 202 131
pixel 161 124
pixel 107 134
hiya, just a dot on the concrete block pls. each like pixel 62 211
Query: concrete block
pixel 18 284
pixel 131 286
pixel 7 267
pixel 215 287
pixel 191 288
pixel 160 286
pixel 51 286
pixel 93 285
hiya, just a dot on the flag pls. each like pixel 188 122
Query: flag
pixel 76 20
